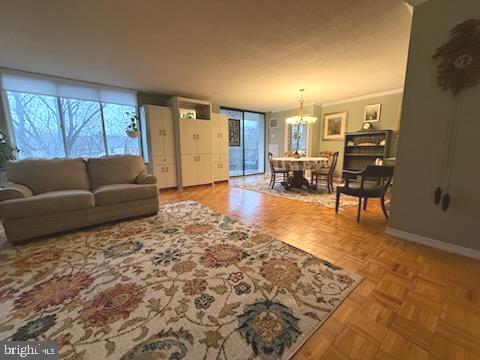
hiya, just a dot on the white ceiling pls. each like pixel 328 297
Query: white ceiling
pixel 252 54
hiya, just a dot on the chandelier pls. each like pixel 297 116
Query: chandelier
pixel 301 119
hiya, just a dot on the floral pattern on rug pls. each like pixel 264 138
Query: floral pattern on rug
pixel 188 283
pixel 317 197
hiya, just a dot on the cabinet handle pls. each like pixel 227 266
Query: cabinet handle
pixel 193 136
pixel 166 169
pixel 164 132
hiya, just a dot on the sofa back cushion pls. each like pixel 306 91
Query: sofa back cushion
pixel 119 169
pixel 45 175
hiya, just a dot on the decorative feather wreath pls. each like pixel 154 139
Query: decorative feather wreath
pixel 459 67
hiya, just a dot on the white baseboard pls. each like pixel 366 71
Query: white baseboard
pixel 437 244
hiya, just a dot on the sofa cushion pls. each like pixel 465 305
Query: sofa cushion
pixel 145 178
pixel 47 203
pixel 120 169
pixel 118 193
pixel 42 175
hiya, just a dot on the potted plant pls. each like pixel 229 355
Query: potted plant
pixel 297 135
pixel 6 153
pixel 132 128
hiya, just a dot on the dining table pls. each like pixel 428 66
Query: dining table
pixel 298 166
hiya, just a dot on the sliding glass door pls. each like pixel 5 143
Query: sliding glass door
pixel 246 142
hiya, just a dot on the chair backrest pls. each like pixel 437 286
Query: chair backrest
pixel 332 159
pixel 374 171
pixel 382 174
pixel 270 158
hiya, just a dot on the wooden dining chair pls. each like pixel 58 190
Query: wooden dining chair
pixel 325 172
pixel 372 182
pixel 274 171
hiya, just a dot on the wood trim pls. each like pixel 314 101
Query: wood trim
pixel 437 244
pixel 364 97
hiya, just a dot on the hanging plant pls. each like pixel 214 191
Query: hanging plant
pixel 132 128
pixel 6 151
pixel 459 65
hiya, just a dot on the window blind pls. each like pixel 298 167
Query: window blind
pixel 46 85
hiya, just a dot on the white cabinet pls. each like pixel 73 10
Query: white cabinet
pixel 220 147
pixel 220 171
pixel 196 151
pixel 194 141
pixel 189 170
pixel 158 120
pixel 204 137
pixel 220 133
pixel 196 169
pixel 188 136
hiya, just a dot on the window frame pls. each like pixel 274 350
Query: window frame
pixel 58 99
pixel 288 142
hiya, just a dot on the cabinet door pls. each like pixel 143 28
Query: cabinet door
pixel 204 137
pixel 168 132
pixel 155 128
pixel 215 133
pixel 170 176
pixel 189 170
pixel 220 171
pixel 223 134
pixel 159 172
pixel 188 136
pixel 205 171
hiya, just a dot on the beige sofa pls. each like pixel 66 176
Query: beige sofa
pixel 49 196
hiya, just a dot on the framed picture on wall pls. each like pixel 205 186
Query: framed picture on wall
pixel 334 126
pixel 233 132
pixel 273 123
pixel 372 113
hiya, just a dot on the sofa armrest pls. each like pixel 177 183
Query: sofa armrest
pixel 15 191
pixel 145 178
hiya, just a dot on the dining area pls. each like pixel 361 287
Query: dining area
pixel 290 171
pixel 306 174
pixel 328 162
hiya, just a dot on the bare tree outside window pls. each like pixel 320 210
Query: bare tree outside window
pixel 78 129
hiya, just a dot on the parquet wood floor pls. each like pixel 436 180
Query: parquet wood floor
pixel 415 302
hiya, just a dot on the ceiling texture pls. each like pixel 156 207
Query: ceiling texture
pixel 251 54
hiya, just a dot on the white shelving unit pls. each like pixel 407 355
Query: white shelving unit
pixel 160 143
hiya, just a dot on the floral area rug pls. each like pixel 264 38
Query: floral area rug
pixel 188 283
pixel 318 197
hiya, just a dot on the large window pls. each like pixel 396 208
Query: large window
pixel 247 157
pixel 48 126
pixel 297 138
